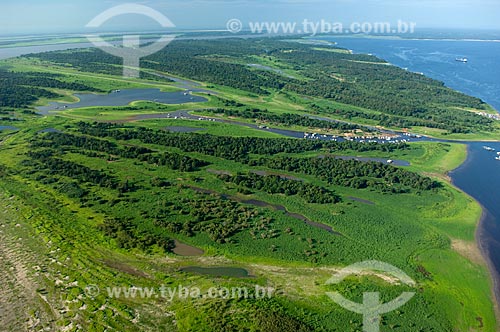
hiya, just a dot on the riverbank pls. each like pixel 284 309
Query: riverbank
pixel 478 177
pixel 494 274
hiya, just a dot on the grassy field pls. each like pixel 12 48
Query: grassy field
pixel 428 234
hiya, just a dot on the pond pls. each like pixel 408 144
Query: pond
pixel 8 128
pixel 124 98
pixel 183 249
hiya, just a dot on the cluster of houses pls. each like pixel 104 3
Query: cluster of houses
pixel 490 116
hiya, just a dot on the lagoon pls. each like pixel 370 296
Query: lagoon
pixel 233 272
pixel 124 98
pixel 8 128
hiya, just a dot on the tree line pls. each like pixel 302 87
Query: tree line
pixel 347 173
pixel 286 119
pixel 275 184
pixel 44 161
pixel 171 160
pixel 232 148
pixel 353 173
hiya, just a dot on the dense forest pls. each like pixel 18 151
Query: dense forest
pixel 405 98
pixel 231 148
pixel 470 120
pixel 218 217
pixel 275 184
pixel 353 174
pixel 74 143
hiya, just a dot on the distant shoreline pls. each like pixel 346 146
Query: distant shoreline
pixel 396 37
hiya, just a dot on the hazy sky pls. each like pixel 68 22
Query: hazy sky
pixel 29 16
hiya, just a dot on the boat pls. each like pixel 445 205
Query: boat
pixel 497 158
pixel 464 60
pixel 487 148
pixel 390 161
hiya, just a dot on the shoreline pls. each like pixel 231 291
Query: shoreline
pixel 494 274
pixel 480 243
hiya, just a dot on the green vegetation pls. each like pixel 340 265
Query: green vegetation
pixel 353 173
pixel 401 98
pixel 274 184
pixel 99 203
pixel 286 119
pixel 147 205
pixel 231 148
pixel 22 89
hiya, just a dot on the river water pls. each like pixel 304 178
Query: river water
pixel 479 176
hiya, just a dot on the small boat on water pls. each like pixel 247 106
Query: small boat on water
pixel 488 148
pixel 463 60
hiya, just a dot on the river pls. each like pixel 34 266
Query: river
pixel 479 176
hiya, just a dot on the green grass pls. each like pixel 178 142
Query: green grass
pixel 409 231
pixel 100 81
pixel 430 218
pixel 472 311
pixel 214 128
pixel 334 50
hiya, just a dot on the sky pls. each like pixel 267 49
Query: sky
pixel 71 16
